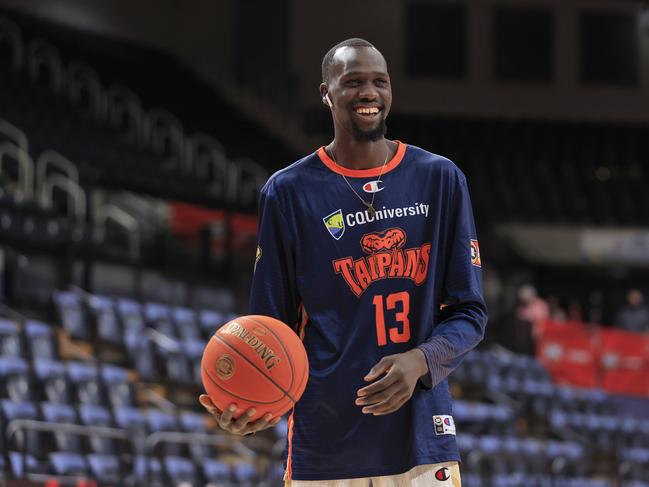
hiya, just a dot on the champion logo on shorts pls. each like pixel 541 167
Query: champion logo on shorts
pixel 442 474
pixel 444 425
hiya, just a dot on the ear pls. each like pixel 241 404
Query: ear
pixel 324 93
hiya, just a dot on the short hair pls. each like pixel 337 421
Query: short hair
pixel 328 59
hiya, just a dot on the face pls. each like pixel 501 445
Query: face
pixel 360 91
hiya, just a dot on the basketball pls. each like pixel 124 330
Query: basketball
pixel 255 361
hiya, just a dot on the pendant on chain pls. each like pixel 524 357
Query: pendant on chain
pixel 370 209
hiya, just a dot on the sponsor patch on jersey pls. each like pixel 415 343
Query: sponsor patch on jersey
pixel 444 425
pixel 373 186
pixel 475 254
pixel 442 474
pixel 335 224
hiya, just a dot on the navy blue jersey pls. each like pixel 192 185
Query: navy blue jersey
pixel 358 286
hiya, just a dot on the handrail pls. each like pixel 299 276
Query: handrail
pixel 39 53
pixel 80 76
pixel 204 151
pixel 158 437
pixel 76 194
pixel 165 126
pixel 54 158
pixel 16 427
pixel 244 189
pixel 11 31
pixel 13 132
pixel 122 218
pixel 122 101
pixel 25 167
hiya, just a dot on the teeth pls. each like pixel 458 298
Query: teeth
pixel 368 111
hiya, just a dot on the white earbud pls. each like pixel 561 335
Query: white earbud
pixel 327 100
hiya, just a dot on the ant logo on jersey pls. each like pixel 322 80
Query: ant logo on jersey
pixel 335 224
pixel 387 259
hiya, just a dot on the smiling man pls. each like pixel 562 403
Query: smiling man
pixel 368 250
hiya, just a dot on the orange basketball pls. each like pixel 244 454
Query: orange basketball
pixel 255 361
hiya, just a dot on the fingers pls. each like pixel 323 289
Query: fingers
pixel 240 425
pixel 378 386
pixel 381 367
pixel 388 406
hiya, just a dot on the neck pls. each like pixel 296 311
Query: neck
pixel 360 155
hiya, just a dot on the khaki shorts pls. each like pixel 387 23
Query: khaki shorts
pixel 437 475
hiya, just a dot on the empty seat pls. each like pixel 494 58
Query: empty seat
pixel 70 312
pixel 130 314
pixel 10 344
pixel 216 471
pixel 53 380
pixel 105 468
pixel 180 469
pixel 40 340
pixel 157 420
pixel 85 379
pixel 94 415
pixel 245 473
pixel 104 319
pixel 210 321
pixel 158 316
pixel 68 463
pixel 62 413
pixel 193 350
pixel 186 323
pixel 32 441
pixel 15 379
pixel 118 388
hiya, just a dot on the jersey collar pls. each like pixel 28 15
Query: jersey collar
pixel 363 173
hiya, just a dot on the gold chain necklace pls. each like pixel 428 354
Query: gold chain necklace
pixel 368 204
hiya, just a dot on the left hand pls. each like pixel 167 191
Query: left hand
pixel 386 395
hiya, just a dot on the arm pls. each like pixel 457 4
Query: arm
pixel 464 317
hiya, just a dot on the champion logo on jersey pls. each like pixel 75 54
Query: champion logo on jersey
pixel 442 474
pixel 373 186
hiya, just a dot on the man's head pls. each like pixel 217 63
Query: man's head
pixel 356 86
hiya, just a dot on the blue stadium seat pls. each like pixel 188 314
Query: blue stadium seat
pixel 104 319
pixel 186 323
pixel 193 350
pixel 85 378
pixel 216 471
pixel 192 422
pixel 210 321
pixel 24 463
pixel 105 468
pixel 158 420
pixel 62 413
pixel 15 379
pixel 158 316
pixel 130 314
pixel 180 469
pixel 130 418
pixel 70 311
pixel 94 415
pixel 151 468
pixel 53 380
pixel 119 390
pixel 142 354
pixel 33 440
pixel 41 341
pixel 10 344
pixel 68 463
pixel 246 474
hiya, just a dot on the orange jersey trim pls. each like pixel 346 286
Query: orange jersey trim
pixel 363 173
pixel 288 475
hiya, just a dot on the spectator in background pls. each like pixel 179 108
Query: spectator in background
pixel 530 311
pixel 633 316
pixel 557 313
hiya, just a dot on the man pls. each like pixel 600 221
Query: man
pixel 367 248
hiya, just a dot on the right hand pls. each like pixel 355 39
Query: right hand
pixel 241 425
